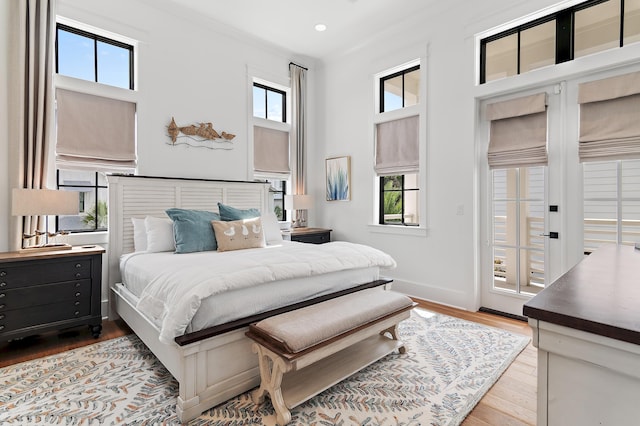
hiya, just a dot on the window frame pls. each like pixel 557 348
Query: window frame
pixel 266 101
pixel 97 38
pixel 565 34
pixel 402 73
pixel 403 190
pixel 96 189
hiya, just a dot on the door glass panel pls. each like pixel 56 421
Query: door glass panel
pixel 538 46
pixel 501 58
pixel 518 225
pixel 597 28
pixel 631 21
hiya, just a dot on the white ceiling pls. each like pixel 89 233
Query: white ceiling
pixel 290 24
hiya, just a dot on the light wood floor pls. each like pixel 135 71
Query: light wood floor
pixel 511 401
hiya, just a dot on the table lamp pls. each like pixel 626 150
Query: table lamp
pixel 44 202
pixel 300 203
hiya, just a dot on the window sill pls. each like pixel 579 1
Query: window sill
pixel 418 231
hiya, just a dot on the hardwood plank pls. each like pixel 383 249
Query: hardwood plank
pixel 511 401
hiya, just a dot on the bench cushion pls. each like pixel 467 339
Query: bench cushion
pixel 303 328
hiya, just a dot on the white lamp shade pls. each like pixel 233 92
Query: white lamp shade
pixel 298 202
pixel 42 202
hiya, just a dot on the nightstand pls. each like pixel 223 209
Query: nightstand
pixel 47 290
pixel 308 235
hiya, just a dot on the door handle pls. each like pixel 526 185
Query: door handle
pixel 553 235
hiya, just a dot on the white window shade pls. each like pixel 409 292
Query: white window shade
pixel 95 132
pixel 518 135
pixel 610 118
pixel 270 151
pixel 397 147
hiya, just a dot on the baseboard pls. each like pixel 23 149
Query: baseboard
pixel 443 296
pixel 503 314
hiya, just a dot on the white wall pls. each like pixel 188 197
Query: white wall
pixel 440 265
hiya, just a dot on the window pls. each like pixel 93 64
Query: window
pixel 93 195
pixel 611 203
pixel 269 103
pixel 397 153
pixel 88 56
pixel 589 27
pixel 271 141
pixel 82 160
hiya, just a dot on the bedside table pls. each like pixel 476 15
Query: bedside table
pixel 46 290
pixel 308 235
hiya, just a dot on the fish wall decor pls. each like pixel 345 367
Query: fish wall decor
pixel 199 133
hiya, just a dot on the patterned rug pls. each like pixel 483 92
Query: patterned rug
pixel 450 364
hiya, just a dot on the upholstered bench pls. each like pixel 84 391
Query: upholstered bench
pixel 305 351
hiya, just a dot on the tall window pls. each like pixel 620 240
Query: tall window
pixel 82 167
pixel 586 28
pixel 611 203
pixel 397 158
pixel 271 141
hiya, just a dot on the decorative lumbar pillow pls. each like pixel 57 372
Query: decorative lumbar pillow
pixel 192 230
pixel 272 234
pixel 231 213
pixel 159 234
pixel 139 234
pixel 239 234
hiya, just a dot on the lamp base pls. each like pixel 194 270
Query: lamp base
pixel 47 247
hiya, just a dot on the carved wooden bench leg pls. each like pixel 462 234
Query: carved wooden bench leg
pixel 393 331
pixel 272 369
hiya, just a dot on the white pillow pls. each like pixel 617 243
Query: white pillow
pixel 272 233
pixel 159 234
pixel 139 234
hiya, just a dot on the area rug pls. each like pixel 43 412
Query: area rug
pixel 449 365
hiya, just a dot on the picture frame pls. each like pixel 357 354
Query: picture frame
pixel 338 178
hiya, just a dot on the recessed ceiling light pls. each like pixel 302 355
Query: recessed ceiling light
pixel 320 27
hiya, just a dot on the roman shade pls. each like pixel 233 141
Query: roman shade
pixel 95 132
pixel 397 147
pixel 610 118
pixel 518 132
pixel 270 150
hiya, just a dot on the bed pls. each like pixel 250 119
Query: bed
pixel 209 355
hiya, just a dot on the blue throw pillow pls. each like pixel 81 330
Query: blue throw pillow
pixel 231 213
pixel 192 230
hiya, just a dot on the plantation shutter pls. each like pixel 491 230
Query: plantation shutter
pixel 610 118
pixel 397 147
pixel 518 132
pixel 94 132
pixel 270 151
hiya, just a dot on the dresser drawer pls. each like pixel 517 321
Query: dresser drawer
pixel 44 294
pixel 319 238
pixel 39 315
pixel 51 271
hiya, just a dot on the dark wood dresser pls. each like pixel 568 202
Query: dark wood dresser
pixel 46 290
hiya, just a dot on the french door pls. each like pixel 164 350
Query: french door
pixel 521 220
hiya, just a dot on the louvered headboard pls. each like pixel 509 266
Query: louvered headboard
pixel 141 196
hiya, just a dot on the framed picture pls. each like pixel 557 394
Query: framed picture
pixel 338 178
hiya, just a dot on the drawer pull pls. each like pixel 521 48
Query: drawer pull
pixel 1 327
pixel 77 313
pixel 2 306
pixel 3 284
pixel 3 273
pixel 77 293
pixel 77 303
pixel 2 295
pixel 78 275
pixel 78 265
pixel 2 316
pixel 77 284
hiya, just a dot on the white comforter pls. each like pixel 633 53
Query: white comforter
pixel 171 303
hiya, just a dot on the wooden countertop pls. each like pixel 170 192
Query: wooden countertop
pixel 600 295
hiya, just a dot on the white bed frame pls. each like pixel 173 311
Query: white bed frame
pixel 209 371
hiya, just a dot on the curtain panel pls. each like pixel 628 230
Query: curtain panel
pixel 298 76
pixel 518 132
pixel 610 118
pixel 95 132
pixel 397 147
pixel 270 151
pixel 32 114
